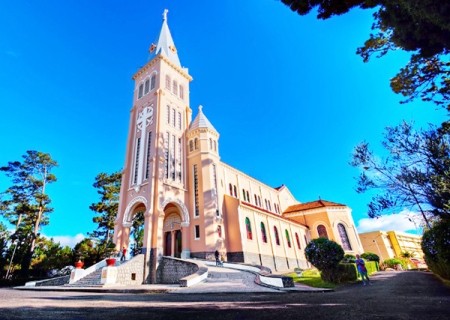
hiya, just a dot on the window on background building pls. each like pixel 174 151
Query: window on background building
pixel 136 160
pixel 256 200
pixel 149 144
pixel 197 232
pixel 288 239
pixel 175 88
pixel 179 120
pixel 147 86
pixel 181 92
pixel 244 195
pixel 196 198
pixel 141 91
pixel 167 82
pixel 248 227
pixel 231 189
pixel 168 114
pixel 297 239
pixel 277 237
pixel 235 191
pixel 248 196
pixel 195 143
pixel 306 240
pixel 344 237
pixel 322 231
pixel 174 115
pixel 263 233
pixel 219 231
pixel 191 146
pixel 153 82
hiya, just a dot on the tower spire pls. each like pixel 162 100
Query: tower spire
pixel 165 45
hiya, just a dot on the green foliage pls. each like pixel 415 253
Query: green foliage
pixel 436 247
pixel 108 187
pixel 50 255
pixel 415 174
pixel 419 26
pixel 312 278
pixel 393 262
pixel 26 203
pixel 137 232
pixel 347 272
pixel 325 255
pixel 369 256
pixel 348 258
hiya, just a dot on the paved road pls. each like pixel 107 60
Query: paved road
pixel 394 295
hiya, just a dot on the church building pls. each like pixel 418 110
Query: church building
pixel 193 203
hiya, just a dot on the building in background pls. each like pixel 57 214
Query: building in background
pixel 391 244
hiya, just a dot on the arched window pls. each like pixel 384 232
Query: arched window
pixel 322 231
pixel 195 143
pixel 344 237
pixel 191 146
pixel 141 91
pixel 244 195
pixel 288 239
pixel 248 196
pixel 147 86
pixel 263 233
pixel 248 227
pixel 235 191
pixel 153 82
pixel 277 237
pixel 231 189
pixel 297 239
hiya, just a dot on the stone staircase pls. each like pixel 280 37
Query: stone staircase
pixel 91 280
pixel 220 275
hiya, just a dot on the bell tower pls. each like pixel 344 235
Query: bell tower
pixel 154 178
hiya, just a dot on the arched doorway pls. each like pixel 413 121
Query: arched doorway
pixel 172 231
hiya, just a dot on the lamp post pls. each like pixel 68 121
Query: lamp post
pixel 378 248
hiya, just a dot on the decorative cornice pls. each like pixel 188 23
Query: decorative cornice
pixel 157 58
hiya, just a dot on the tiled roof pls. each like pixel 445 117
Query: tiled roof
pixel 312 205
pixel 201 121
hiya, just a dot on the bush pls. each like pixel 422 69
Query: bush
pixel 392 263
pixel 349 258
pixel 369 256
pixel 436 247
pixel 325 255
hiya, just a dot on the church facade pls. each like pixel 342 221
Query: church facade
pixel 193 203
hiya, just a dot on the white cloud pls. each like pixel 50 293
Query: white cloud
pixel 403 221
pixel 70 241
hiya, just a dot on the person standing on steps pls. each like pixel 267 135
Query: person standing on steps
pixel 217 256
pixel 361 266
pixel 124 252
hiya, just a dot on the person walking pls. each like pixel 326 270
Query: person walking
pixel 361 266
pixel 124 253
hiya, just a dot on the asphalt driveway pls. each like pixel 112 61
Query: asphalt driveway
pixel 393 295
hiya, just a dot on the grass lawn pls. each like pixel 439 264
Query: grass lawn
pixel 311 277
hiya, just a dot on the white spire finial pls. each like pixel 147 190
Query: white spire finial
pixel 200 107
pixel 165 14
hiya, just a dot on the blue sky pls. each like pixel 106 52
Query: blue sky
pixel 288 95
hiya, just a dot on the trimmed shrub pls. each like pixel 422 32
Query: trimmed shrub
pixel 436 247
pixel 325 255
pixel 369 256
pixel 349 258
pixel 392 263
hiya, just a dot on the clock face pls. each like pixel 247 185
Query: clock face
pixel 145 117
